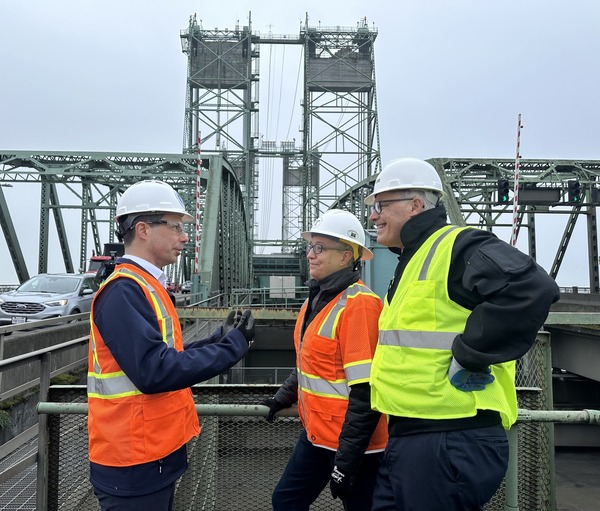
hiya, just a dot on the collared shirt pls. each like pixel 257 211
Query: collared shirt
pixel 155 271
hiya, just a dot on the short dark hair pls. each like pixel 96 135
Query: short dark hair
pixel 127 225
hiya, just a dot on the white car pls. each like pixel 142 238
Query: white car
pixel 48 296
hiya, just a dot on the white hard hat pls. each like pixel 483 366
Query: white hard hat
pixel 406 174
pixel 151 196
pixel 342 225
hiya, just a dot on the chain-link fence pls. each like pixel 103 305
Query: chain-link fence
pixel 238 459
pixel 234 464
pixel 535 449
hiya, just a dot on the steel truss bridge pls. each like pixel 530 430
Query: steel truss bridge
pixel 92 182
pixel 334 164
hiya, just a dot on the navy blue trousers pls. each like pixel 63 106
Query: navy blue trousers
pixel 446 471
pixel 307 474
pixel 161 500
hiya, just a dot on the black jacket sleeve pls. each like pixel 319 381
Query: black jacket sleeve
pixel 358 427
pixel 508 293
pixel 287 394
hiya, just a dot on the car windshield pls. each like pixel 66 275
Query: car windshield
pixel 50 284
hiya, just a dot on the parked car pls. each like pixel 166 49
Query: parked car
pixel 186 287
pixel 48 296
pixel 171 286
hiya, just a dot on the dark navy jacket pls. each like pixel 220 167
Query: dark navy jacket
pixel 130 330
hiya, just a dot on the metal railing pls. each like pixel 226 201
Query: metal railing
pixel 238 458
pixel 281 297
pixel 238 445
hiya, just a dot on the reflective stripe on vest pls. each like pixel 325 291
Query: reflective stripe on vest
pixel 417 329
pixel 412 339
pixel 337 389
pixel 117 384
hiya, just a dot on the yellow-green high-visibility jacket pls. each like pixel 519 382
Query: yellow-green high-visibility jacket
pixel 409 374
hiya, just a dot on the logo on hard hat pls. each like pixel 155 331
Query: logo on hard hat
pixel 353 235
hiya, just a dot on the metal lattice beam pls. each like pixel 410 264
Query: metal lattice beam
pixel 94 181
pixel 471 187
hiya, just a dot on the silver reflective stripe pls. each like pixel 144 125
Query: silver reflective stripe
pixel 360 371
pixel 117 384
pixel 328 327
pixel 94 353
pixel 417 339
pixel 168 321
pixel 338 388
pixel 431 253
pixel 111 386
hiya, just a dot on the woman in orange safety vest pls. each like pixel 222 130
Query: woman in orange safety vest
pixel 335 338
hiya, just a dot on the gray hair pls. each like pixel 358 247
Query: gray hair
pixel 430 199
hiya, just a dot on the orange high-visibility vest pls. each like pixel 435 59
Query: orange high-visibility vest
pixel 334 353
pixel 125 426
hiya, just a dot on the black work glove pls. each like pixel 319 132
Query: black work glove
pixel 274 407
pixel 245 324
pixel 340 484
pixel 230 321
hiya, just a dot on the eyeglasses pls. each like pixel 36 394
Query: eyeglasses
pixel 176 227
pixel 318 248
pixel 379 205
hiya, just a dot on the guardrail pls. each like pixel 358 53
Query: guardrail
pixel 259 440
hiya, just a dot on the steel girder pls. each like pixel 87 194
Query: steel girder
pixel 93 182
pixel 471 187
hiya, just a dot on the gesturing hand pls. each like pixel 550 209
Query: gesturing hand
pixel 245 324
pixel 230 322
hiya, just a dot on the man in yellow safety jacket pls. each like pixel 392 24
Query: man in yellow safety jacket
pixel 335 338
pixel 141 409
pixel 461 308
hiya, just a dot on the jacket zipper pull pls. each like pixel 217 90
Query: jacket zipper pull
pixel 160 466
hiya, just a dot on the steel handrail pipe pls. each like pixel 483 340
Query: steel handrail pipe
pixel 511 501
pixel 222 410
pixel 38 354
pixel 29 325
pixel 585 416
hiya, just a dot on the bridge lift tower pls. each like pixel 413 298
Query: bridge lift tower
pixel 339 141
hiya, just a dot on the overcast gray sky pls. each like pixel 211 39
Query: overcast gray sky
pixel 452 77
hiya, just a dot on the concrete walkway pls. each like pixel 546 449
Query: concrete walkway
pixel 577 479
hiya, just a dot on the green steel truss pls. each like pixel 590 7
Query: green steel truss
pixel 471 187
pixel 92 182
pixel 96 179
pixel 340 138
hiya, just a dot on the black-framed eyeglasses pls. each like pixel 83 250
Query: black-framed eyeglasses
pixel 379 205
pixel 177 227
pixel 318 248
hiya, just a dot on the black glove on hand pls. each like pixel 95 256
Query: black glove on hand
pixel 229 323
pixel 246 326
pixel 274 407
pixel 340 484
